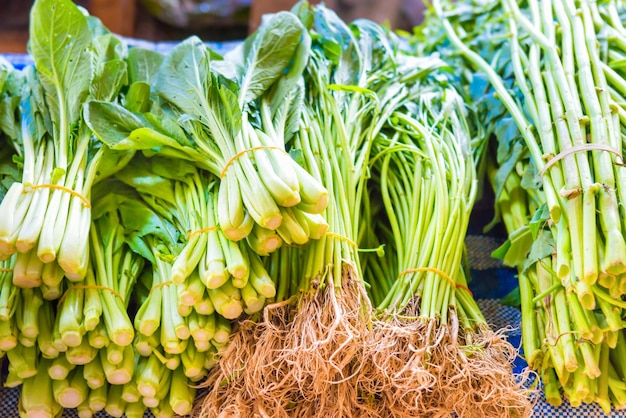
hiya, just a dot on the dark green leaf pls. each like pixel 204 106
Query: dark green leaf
pixel 110 122
pixel 59 45
pixel 184 78
pixel 272 51
pixel 541 248
pixel 140 220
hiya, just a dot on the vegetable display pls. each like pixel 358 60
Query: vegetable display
pixel 547 79
pixel 283 226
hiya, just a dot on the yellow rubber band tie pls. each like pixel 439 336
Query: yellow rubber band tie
pixel 62 188
pixel 575 149
pixel 62 298
pixel 240 153
pixel 160 285
pixel 432 270
pixel 6 269
pixel 200 231
pixel 343 238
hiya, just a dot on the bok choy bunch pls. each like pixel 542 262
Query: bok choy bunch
pixel 232 117
pixel 46 215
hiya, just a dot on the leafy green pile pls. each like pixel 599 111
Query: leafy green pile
pixel 171 219
pixel 547 80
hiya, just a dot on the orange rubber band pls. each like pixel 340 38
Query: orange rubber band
pixel 467 289
pixel 62 298
pixel 160 285
pixel 63 188
pixel 200 231
pixel 574 149
pixel 240 153
pixel 342 238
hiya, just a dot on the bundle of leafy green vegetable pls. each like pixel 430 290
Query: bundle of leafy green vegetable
pixel 231 117
pixel 547 79
pixel 429 331
pixel 46 215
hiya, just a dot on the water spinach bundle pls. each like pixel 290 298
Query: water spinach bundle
pixel 548 80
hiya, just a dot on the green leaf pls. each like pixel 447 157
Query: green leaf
pixel 96 27
pixel 111 162
pixel 541 248
pixel 350 89
pixel 108 82
pixel 147 139
pixel 270 54
pixel 540 217
pixel 501 251
pixel 514 251
pixel 339 43
pixel 57 174
pixel 287 117
pixel 109 195
pixel 185 78
pixel 59 45
pixel 8 120
pixel 227 108
pixel 110 122
pixel 508 166
pixel 108 47
pixel 143 65
pixel 513 299
pixel 139 220
pixel 163 123
pixel 292 78
pixel 137 98
pixel 141 176
pixel 506 132
pixel 531 180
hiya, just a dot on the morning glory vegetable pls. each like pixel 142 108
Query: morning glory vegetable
pixel 549 91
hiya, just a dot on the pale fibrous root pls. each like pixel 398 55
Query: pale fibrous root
pixel 300 360
pixel 417 367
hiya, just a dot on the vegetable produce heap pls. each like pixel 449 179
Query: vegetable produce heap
pixel 282 226
pixel 548 83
